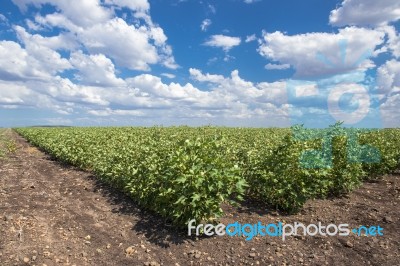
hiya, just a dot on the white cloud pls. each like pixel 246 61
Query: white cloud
pixel 95 70
pixel 212 9
pixel 250 1
pixel 63 90
pixel 390 111
pixel 274 93
pixel 360 100
pixel 314 54
pixel 306 90
pixel 168 75
pixel 33 26
pixel 212 60
pixel 96 27
pixel 64 41
pixel 152 85
pixel 59 121
pixel 388 77
pixel 135 5
pixel 270 66
pixel 3 19
pixel 85 13
pixel 135 52
pixel 229 100
pixel 250 38
pixel 223 41
pixel 59 20
pixel 393 42
pixel 365 12
pixel 33 76
pixel 34 62
pixel 389 86
pixel 58 95
pixel 13 94
pixel 205 24
pixel 197 75
pixel 235 88
pixel 90 34
pixel 17 94
pixel 118 112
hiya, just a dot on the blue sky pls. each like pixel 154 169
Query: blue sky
pixel 252 63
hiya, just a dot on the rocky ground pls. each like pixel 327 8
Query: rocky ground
pixel 53 214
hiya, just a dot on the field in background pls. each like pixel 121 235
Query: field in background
pixel 7 145
pixel 186 173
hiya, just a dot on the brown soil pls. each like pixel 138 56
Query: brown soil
pixel 53 214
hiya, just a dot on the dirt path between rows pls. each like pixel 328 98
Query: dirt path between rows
pixel 53 214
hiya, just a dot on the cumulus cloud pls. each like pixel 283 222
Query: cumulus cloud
pixel 223 41
pixel 365 13
pixel 134 52
pixel 95 70
pixel 96 27
pixel 17 94
pixel 153 85
pixel 212 9
pixel 205 24
pixel 199 76
pixel 229 100
pixel 390 111
pixel 85 13
pixel 118 112
pixel 360 102
pixel 236 88
pixel 250 38
pixel 393 40
pixel 57 121
pixel 388 77
pixel 62 41
pixel 136 5
pixel 3 19
pixel 69 60
pixel 270 66
pixel 88 45
pixel 64 90
pixel 250 1
pixel 12 94
pixel 34 62
pixel 168 75
pixel 314 54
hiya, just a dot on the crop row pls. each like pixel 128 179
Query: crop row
pixel 185 173
pixel 7 145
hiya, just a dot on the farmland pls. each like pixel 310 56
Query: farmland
pixel 55 214
pixel 7 145
pixel 184 173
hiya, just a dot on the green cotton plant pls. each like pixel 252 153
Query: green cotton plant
pixel 189 182
pixel 346 174
pixel 207 180
pixel 180 173
pixel 309 163
pixel 185 173
pixel 275 176
pixel 387 142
